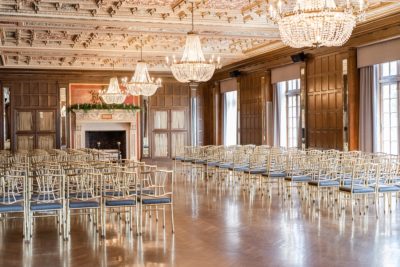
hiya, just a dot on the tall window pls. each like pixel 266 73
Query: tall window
pixel 230 118
pixel 290 112
pixel 388 85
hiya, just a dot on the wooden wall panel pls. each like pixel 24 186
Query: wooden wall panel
pixel 251 98
pixel 208 113
pixel 324 101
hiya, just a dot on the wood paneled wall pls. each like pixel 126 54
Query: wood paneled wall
pixel 325 101
pixel 251 108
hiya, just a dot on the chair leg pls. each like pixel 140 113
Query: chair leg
pixel 103 222
pixel 172 218
pixel 137 218
pixel 352 207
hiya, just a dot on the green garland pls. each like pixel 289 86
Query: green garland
pixel 87 106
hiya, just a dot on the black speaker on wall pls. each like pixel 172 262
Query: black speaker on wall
pixel 235 73
pixel 300 57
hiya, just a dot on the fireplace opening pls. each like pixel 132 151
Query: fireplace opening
pixel 107 139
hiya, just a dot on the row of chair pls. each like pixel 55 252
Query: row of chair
pixel 93 187
pixel 337 177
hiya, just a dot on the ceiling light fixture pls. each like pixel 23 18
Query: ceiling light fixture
pixel 113 94
pixel 141 83
pixel 193 67
pixel 315 23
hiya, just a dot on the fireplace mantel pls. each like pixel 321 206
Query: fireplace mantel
pixel 106 120
pixel 105 115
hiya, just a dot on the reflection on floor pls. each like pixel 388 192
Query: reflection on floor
pixel 216 225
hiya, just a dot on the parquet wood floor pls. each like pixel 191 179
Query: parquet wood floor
pixel 215 226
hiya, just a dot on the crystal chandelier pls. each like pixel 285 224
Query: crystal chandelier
pixel 141 83
pixel 113 94
pixel 315 23
pixel 193 67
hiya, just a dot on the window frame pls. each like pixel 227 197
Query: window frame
pixel 382 81
pixel 224 114
pixel 292 92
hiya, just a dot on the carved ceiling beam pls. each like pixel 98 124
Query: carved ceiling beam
pixel 58 5
pixel 2 36
pixel 3 60
pixel 32 38
pixel 18 37
pixel 264 30
pixel 35 5
pixel 72 62
pixel 98 52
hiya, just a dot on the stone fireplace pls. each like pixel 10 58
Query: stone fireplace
pixel 107 140
pixel 110 127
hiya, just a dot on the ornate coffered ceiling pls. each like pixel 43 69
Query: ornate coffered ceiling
pixel 97 34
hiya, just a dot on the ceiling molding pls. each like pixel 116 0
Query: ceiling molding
pixel 101 34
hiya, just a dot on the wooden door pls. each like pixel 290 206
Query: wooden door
pixel 35 113
pixel 170 132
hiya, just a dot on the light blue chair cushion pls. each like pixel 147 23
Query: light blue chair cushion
pixel 213 163
pixel 275 174
pixel 121 202
pixel 199 161
pixel 83 204
pixel 179 158
pixel 299 178
pixel 46 206
pixel 388 188
pixel 324 183
pixel 17 207
pixel 357 189
pixel 156 200
pixel 225 165
pixel 259 170
pixel 239 168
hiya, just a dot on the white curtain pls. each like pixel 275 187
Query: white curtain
pixel 368 110
pixel 279 107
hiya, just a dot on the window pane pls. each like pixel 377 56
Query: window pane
pixel 385 69
pixel 393 68
pixel 385 91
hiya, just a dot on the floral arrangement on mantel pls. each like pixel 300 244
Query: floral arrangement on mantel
pixel 88 106
pixel 97 104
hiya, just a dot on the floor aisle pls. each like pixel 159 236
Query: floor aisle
pixel 215 226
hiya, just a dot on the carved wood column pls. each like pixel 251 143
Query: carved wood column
pixel 193 114
pixel 303 105
pixel 217 121
pixel 353 100
pixel 267 118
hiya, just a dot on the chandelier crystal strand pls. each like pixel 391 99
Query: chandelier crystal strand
pixel 315 23
pixel 113 94
pixel 141 83
pixel 193 67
